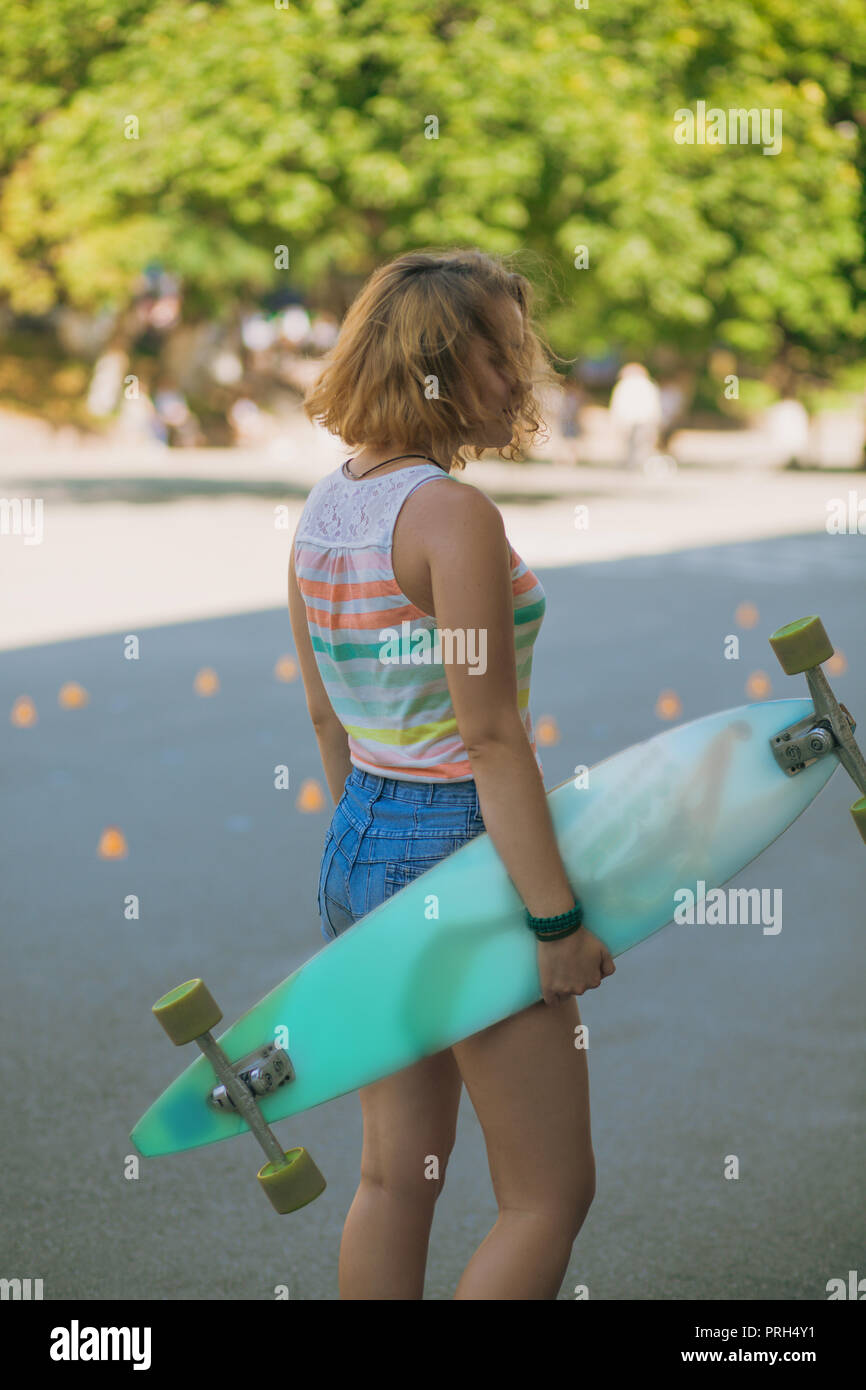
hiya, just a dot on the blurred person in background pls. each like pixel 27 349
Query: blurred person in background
pixel 324 332
pixel 787 423
pixel 137 420
pixel 179 423
pixel 250 424
pixel 570 428
pixel 636 413
pixel 674 396
pixel 295 327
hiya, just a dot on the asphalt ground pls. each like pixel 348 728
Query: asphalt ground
pixel 142 539
pixel 704 1044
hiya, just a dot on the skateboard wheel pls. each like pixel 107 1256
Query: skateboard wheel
pixel 801 645
pixel 294 1183
pixel 858 811
pixel 187 1012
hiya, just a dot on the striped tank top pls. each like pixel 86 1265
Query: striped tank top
pixel 380 657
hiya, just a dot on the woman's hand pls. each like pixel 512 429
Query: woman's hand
pixel 572 964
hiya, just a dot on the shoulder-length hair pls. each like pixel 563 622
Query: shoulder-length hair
pixel 398 372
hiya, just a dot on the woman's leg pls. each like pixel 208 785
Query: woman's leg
pixel 409 1120
pixel 529 1086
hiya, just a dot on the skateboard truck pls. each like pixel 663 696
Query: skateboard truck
pixel 801 647
pixel 803 743
pixel 261 1072
pixel 188 1013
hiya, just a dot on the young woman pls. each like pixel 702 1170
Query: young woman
pixel 438 353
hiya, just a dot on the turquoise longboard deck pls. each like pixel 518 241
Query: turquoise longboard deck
pixel 692 805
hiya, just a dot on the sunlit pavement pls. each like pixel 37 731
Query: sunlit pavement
pixel 706 1043
pixel 127 540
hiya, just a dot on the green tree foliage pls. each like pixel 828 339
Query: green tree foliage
pixel 308 125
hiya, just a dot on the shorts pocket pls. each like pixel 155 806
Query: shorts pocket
pixel 399 873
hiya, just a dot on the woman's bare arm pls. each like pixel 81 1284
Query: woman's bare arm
pixel 470 573
pixel 332 738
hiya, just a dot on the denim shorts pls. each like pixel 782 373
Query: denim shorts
pixel 383 834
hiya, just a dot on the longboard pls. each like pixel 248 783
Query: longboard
pixel 451 954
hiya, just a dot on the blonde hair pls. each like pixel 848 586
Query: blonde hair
pixel 414 320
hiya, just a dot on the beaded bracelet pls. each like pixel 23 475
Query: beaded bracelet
pixel 552 928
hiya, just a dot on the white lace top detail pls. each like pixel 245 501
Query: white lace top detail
pixel 348 513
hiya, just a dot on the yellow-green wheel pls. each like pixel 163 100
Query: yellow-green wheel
pixel 801 645
pixel 294 1183
pixel 858 811
pixel 188 1011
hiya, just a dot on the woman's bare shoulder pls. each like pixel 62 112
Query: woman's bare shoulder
pixel 447 506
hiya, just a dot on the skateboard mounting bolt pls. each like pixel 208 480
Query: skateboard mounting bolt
pixel 820 740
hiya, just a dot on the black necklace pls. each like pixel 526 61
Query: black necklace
pixel 358 477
